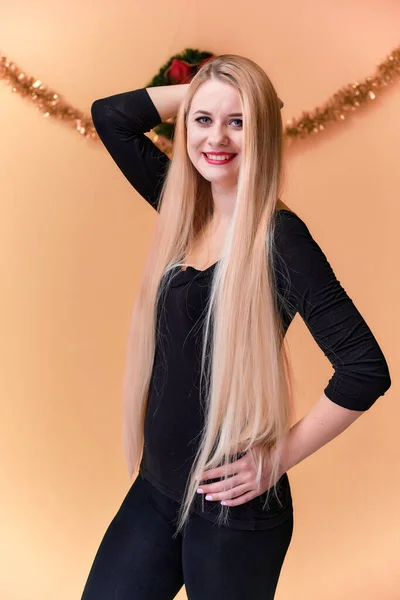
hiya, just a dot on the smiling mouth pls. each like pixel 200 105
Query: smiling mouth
pixel 222 159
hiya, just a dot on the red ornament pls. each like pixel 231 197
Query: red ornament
pixel 179 72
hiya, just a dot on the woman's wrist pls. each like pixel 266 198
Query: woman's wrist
pixel 167 98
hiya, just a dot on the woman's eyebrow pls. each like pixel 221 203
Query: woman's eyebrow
pixel 205 112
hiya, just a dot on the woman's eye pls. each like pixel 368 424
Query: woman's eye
pixel 202 123
pixel 199 119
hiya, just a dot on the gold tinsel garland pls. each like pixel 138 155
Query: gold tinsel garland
pixel 349 98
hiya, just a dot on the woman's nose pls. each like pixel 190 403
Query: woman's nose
pixel 217 135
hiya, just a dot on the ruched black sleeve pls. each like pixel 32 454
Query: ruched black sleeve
pixel 311 288
pixel 121 122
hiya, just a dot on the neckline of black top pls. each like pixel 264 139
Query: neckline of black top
pixel 183 276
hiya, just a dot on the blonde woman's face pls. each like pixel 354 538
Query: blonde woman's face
pixel 215 128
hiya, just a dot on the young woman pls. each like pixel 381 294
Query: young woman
pixel 207 389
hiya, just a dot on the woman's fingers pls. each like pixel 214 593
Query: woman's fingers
pixel 230 494
pixel 240 499
pixel 224 486
pixel 228 469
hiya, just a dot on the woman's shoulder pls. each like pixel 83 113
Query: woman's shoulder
pixel 285 217
pixel 281 205
pixel 297 247
pixel 293 237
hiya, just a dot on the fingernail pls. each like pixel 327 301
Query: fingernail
pixel 209 497
pixel 223 502
pixel 200 491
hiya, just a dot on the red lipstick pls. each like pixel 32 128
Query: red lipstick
pixel 219 161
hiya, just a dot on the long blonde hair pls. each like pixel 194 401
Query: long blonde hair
pixel 248 380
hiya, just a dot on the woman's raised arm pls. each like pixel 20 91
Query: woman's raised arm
pixel 121 121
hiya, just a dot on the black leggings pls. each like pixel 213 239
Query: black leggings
pixel 139 560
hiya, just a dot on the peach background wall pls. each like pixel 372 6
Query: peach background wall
pixel 73 237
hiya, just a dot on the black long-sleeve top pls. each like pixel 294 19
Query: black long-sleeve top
pixel 303 276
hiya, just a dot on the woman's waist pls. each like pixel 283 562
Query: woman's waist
pixel 248 515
